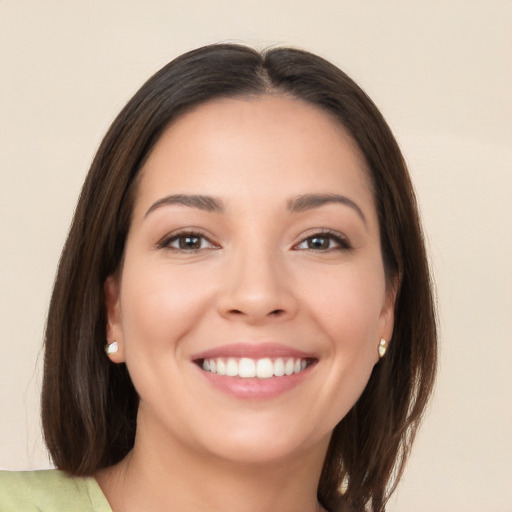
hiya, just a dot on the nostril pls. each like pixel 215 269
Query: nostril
pixel 275 312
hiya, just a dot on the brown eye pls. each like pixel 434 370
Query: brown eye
pixel 323 242
pixel 187 242
pixel 319 242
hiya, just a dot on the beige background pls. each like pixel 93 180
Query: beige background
pixel 441 72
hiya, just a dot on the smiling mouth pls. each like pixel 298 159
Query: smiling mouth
pixel 247 368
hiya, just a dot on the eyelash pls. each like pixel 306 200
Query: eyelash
pixel 342 244
pixel 166 242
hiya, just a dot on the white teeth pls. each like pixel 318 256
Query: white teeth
pixel 247 368
pixel 279 367
pixel 264 368
pixel 231 368
pixel 288 367
pixel 221 367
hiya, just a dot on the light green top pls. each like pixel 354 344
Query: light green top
pixel 49 491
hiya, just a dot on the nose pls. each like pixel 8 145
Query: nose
pixel 257 289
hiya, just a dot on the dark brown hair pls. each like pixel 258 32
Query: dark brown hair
pixel 89 405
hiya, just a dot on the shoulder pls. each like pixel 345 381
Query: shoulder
pixel 49 491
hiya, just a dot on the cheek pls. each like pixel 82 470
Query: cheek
pixel 349 318
pixel 349 305
pixel 159 306
pixel 346 308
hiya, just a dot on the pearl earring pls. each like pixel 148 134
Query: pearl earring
pixel 111 348
pixel 383 346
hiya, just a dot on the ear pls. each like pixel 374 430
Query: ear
pixel 114 331
pixel 387 314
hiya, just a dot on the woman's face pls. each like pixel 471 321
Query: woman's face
pixel 252 294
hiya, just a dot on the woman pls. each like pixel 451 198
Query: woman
pixel 248 250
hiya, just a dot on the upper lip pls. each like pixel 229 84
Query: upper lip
pixel 252 351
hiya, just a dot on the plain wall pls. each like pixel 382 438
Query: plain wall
pixel 440 71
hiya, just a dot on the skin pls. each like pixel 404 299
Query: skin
pixel 256 276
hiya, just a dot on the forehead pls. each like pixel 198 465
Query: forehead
pixel 244 146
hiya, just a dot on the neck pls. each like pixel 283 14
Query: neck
pixel 180 480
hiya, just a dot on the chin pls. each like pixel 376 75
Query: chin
pixel 265 443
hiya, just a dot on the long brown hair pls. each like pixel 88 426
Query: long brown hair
pixel 89 405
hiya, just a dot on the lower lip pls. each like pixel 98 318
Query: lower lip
pixel 256 388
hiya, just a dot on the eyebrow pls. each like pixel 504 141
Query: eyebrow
pixel 206 203
pixel 300 203
pixel 310 201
